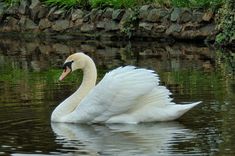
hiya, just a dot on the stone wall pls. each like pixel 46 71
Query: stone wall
pixel 145 22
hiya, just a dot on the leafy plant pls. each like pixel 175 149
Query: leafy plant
pixel 130 24
pixel 226 23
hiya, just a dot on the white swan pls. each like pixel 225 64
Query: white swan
pixel 125 95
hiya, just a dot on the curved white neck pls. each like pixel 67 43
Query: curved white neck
pixel 71 103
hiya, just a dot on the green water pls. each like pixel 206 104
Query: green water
pixel 29 91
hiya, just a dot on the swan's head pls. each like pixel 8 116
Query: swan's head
pixel 72 63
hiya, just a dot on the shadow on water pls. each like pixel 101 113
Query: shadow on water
pixel 29 91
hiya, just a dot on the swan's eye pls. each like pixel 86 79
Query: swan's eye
pixel 67 64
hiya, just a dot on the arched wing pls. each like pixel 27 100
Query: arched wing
pixel 115 94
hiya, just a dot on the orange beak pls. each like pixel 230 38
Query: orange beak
pixel 65 73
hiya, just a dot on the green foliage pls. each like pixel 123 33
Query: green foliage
pixel 126 3
pixel 62 3
pixel 176 3
pixel 197 3
pixel 67 3
pixel 100 3
pixel 130 24
pixel 226 23
pixel 118 3
pixel 11 2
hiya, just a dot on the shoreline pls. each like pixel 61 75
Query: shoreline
pixel 145 23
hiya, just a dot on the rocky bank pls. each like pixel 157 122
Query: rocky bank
pixel 146 22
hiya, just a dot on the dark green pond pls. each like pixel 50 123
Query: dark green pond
pixel 29 91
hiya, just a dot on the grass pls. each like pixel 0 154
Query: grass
pixel 62 3
pixel 118 3
pixel 67 3
pixel 126 3
pixel 131 3
pixel 197 3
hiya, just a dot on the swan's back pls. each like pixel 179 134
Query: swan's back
pixel 127 95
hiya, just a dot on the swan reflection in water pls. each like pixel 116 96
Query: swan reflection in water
pixel 122 139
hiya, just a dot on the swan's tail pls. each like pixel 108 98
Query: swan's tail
pixel 183 108
pixel 150 114
pixel 170 112
pixel 191 105
pixel 175 111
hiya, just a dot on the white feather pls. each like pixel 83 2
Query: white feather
pixel 125 95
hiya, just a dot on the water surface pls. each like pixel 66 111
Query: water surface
pixel 29 91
